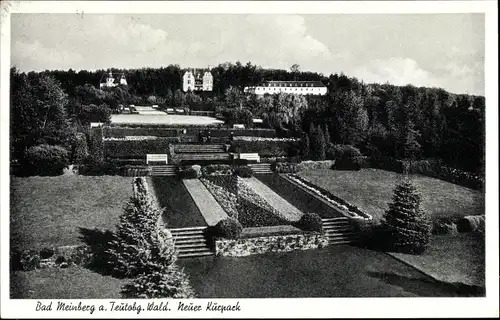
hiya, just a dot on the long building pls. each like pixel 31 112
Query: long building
pixel 296 87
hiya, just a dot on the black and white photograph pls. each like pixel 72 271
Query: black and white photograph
pixel 196 159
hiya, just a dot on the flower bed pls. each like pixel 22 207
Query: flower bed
pixel 132 138
pixel 352 210
pixel 252 138
pixel 242 203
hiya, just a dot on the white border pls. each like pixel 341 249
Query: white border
pixel 272 308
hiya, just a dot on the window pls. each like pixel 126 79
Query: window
pixel 189 81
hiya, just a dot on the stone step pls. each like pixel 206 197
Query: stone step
pixel 190 240
pixel 187 229
pixel 194 250
pixel 334 219
pixel 194 255
pixel 199 237
pixel 338 229
pixel 340 242
pixel 335 222
pixel 185 246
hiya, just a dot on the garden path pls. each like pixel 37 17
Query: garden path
pixel 209 207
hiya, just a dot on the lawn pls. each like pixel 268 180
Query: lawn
pixel 181 210
pixel 372 190
pixel 297 197
pixel 163 119
pixel 452 258
pixel 49 211
pixel 334 271
pixel 69 283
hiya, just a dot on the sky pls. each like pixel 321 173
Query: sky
pixel 432 50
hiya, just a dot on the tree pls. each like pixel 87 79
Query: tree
pixel 131 252
pixel 38 113
pixel 179 99
pixel 234 97
pixel 409 144
pixel 318 145
pixel 305 147
pixel 408 225
pixel 328 140
pixel 295 68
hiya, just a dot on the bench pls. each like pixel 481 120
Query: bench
pixel 156 158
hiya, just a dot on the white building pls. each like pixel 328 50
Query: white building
pixel 197 80
pixel 110 81
pixel 295 87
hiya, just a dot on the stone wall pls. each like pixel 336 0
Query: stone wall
pixel 278 243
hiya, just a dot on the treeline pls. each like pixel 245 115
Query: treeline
pixel 381 120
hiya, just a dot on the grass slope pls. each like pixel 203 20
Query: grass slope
pixel 48 211
pixel 372 190
pixel 181 211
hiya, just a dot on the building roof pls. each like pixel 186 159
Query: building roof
pixel 291 84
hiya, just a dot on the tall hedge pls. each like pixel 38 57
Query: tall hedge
pixel 408 225
pixel 80 149
pixel 45 160
pixel 136 148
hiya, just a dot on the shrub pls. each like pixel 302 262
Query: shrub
pixel 188 173
pixel 285 167
pixel 110 167
pixel 243 171
pixel 117 132
pixel 46 160
pixel 46 253
pixel 29 260
pixel 216 169
pixel 471 224
pixel 228 228
pixel 346 157
pixel 96 144
pixel 409 226
pixel 315 165
pixel 310 222
pixel 135 171
pixel 80 149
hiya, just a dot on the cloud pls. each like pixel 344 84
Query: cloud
pixel 457 78
pixel 35 56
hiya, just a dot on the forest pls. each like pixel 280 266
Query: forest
pixel 381 120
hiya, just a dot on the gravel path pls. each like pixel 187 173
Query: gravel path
pixel 209 207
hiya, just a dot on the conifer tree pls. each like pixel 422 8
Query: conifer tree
pixel 131 251
pixel 319 145
pixel 408 225
pixel 305 147
pixel 328 140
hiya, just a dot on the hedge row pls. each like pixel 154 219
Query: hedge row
pixel 431 168
pixel 117 132
pixel 137 149
pixel 266 148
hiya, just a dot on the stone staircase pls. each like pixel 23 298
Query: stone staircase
pixel 260 168
pixel 190 242
pixel 168 170
pixel 339 231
